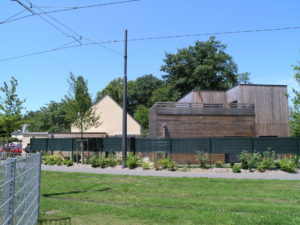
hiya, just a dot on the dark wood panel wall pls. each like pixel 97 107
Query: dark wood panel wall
pixel 201 126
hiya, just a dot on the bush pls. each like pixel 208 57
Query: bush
pixel 236 168
pixel 146 166
pixel 68 162
pixel 261 167
pixel 132 161
pixel 219 164
pixel 244 158
pixel 250 160
pixel 288 165
pixel 202 158
pixel 157 165
pixel 111 160
pixel 268 159
pixel 172 166
pixel 52 160
pixel 164 163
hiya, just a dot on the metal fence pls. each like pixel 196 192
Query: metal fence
pixel 20 190
pixel 281 145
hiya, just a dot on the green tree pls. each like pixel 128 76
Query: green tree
pixel 80 108
pixel 295 114
pixel 10 108
pixel 205 65
pixel 142 90
pixel 165 93
pixel 51 118
pixel 142 117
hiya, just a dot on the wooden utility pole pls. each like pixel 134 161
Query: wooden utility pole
pixel 124 133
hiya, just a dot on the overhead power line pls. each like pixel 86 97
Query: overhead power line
pixel 152 38
pixel 68 9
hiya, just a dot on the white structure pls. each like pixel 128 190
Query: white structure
pixel 110 114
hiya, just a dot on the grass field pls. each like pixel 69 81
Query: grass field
pixel 122 200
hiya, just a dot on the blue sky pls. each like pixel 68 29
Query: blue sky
pixel 268 56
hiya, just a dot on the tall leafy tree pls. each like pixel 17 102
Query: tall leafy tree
pixel 10 108
pixel 295 114
pixel 80 108
pixel 205 65
pixel 51 118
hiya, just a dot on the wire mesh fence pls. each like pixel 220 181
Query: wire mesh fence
pixel 20 190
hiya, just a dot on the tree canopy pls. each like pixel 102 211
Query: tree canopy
pixel 295 114
pixel 10 108
pixel 205 65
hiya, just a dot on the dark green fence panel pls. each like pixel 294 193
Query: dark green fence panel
pixel 54 144
pixel 279 145
pixel 114 144
pixel 230 145
pixel 190 145
pixel 39 144
pixel 95 144
pixel 66 144
pixel 153 145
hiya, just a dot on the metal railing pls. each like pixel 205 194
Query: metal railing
pixel 20 190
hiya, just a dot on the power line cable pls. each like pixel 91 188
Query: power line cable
pixel 7 19
pixel 80 37
pixel 51 24
pixel 152 38
pixel 71 8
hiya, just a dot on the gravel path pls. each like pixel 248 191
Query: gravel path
pixel 269 175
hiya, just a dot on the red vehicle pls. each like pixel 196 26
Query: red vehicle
pixel 12 148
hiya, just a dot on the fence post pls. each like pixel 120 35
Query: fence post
pixel 12 174
pixel 252 144
pixel 40 174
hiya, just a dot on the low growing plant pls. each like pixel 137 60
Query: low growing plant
pixel 202 158
pixel 236 168
pixel 132 161
pixel 288 165
pixel 68 162
pixel 219 164
pixel 146 166
pixel 111 160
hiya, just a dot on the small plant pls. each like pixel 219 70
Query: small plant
pixel 261 167
pixel 53 160
pixel 231 164
pixel 146 166
pixel 236 168
pixel 132 161
pixel 111 160
pixel 164 163
pixel 288 165
pixel 244 158
pixel 157 165
pixel 68 162
pixel 268 159
pixel 172 166
pixel 219 164
pixel 202 158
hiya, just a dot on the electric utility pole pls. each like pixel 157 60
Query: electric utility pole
pixel 124 133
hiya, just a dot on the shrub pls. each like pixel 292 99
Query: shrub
pixel 111 160
pixel 288 165
pixel 172 166
pixel 146 166
pixel 202 158
pixel 157 165
pixel 132 161
pixel 231 164
pixel 244 158
pixel 68 162
pixel 164 163
pixel 53 160
pixel 268 159
pixel 236 168
pixel 261 167
pixel 219 164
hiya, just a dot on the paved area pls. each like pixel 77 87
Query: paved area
pixel 140 172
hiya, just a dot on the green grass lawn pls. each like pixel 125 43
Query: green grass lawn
pixel 120 200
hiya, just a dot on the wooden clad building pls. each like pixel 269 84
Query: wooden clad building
pixel 243 111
